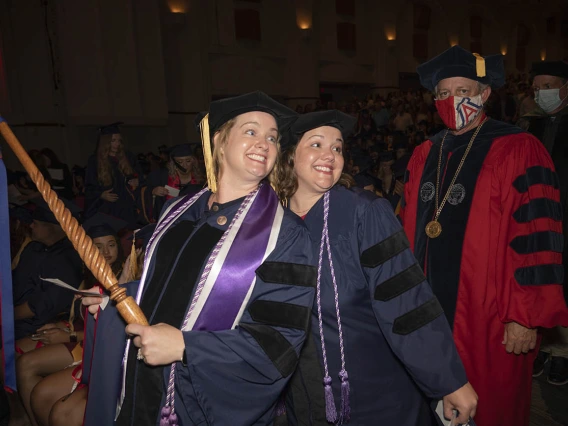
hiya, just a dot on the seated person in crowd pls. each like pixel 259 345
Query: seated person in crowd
pixel 49 373
pixel 49 255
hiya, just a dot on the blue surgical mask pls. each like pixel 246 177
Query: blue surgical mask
pixel 549 99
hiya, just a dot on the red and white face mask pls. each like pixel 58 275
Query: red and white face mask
pixel 457 112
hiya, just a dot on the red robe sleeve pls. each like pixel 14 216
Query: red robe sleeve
pixel 412 179
pixel 528 241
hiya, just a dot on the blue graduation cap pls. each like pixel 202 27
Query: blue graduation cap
pixel 110 129
pixel 103 225
pixel 458 62
pixel 223 110
pixel 144 234
pixel 553 68
pixel 182 150
pixel 42 212
pixel 306 122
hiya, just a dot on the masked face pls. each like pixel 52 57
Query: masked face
pixel 457 112
pixel 549 99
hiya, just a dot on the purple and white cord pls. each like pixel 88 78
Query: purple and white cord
pixel 168 415
pixel 330 409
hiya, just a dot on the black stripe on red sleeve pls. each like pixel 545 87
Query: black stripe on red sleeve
pixel 540 275
pixel 536 175
pixel 537 209
pixel 537 242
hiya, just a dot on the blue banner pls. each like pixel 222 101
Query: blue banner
pixel 6 300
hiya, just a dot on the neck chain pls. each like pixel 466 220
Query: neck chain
pixel 434 228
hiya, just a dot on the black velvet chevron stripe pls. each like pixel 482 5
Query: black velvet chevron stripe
pixel 536 175
pixel 275 346
pixel 406 176
pixel 288 273
pixel 280 314
pixel 540 275
pixel 538 208
pixel 400 283
pixel 538 241
pixel 386 249
pixel 417 318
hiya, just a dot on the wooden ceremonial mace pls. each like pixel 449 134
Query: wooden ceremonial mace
pixel 90 254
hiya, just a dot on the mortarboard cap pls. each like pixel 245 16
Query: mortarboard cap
pixel 306 122
pixel 144 234
pixel 364 179
pixel 103 225
pixel 364 163
pixel 111 129
pixel 553 68
pixel 42 212
pixel 224 110
pixel 182 150
pixel 458 62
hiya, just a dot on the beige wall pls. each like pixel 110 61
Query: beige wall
pixel 100 61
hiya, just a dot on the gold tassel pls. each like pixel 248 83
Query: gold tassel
pixel 479 65
pixel 133 258
pixel 207 154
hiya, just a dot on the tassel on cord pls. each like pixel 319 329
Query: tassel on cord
pixel 207 154
pixel 133 258
pixel 330 410
pixel 345 407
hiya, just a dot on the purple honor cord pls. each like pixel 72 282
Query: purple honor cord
pixel 330 409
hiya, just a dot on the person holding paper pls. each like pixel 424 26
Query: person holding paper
pixel 52 371
pixel 49 255
pixel 181 177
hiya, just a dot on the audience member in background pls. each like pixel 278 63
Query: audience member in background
pixel 423 114
pixel 387 185
pixel 164 154
pixel 113 180
pixel 182 176
pixel 380 115
pixel 59 174
pixel 49 255
pixel 402 120
pixel 20 232
pixel 550 85
pixel 53 371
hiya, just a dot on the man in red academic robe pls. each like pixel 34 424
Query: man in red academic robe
pixel 483 216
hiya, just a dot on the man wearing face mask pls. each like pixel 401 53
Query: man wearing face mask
pixel 483 218
pixel 550 125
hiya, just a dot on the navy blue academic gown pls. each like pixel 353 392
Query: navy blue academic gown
pixel 232 377
pixel 399 350
pixel 128 205
pixel 45 299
